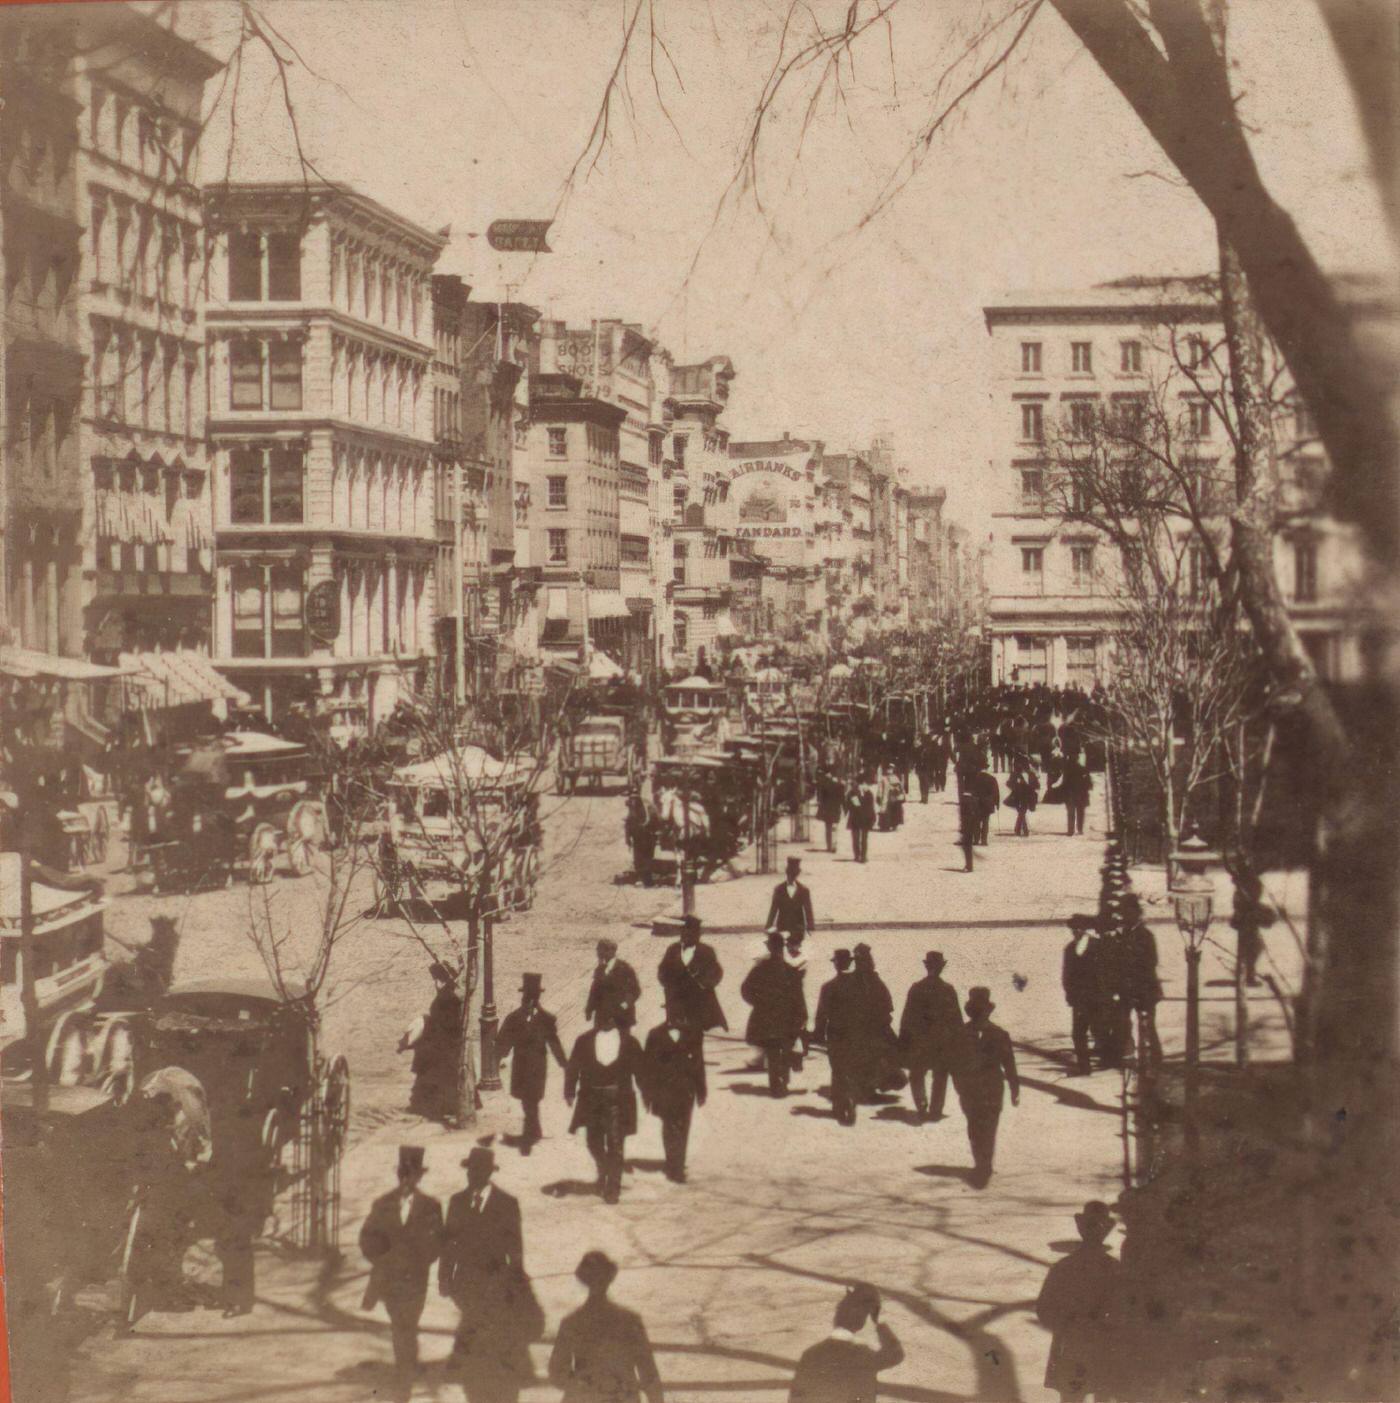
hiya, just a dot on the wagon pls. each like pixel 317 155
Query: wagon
pixel 598 749
pixel 693 714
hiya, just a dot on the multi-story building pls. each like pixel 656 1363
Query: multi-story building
pixel 574 515
pixel 1061 358
pixel 927 551
pixel 320 328
pixel 460 526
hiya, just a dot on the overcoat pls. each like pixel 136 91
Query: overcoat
pixel 602 1355
pixel 791 912
pixel 616 991
pixel 400 1251
pixel 777 1002
pixel 673 1072
pixel 585 1078
pixel 931 1021
pixel 690 988
pixel 1075 1304
pixel 529 1035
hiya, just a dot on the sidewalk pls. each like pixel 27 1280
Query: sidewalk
pixel 738 1271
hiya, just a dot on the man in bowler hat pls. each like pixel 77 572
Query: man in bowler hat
pixel 1076 1304
pixel 689 974
pixel 838 1026
pixel 928 1036
pixel 529 1036
pixel 401 1239
pixel 601 1353
pixel 985 1070
pixel 777 1013
pixel 615 988
pixel 482 1271
pixel 843 1368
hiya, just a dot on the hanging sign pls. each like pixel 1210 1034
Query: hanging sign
pixel 519 235
pixel 323 611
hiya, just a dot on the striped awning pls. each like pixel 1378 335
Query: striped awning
pixel 176 678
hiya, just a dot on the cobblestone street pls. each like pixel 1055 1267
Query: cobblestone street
pixel 737 1271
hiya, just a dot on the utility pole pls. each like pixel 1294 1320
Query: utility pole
pixel 28 994
pixel 459 648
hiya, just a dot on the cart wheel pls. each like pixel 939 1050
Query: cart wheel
pixel 133 1253
pixel 115 1059
pixel 66 1055
pixel 262 854
pixel 335 1108
pixel 272 1138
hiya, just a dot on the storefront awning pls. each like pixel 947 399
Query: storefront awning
pixel 607 604
pixel 27 662
pixel 177 678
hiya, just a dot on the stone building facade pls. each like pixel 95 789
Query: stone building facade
pixel 320 326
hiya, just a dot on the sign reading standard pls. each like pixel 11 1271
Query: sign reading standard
pixel 519 235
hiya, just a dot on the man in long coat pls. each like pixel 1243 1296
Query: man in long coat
pixel 1076 1304
pixel 615 988
pixel 790 910
pixel 878 1047
pixel 838 1028
pixel 1141 989
pixel 985 1070
pixel 831 796
pixel 929 1029
pixel 860 809
pixel 778 1011
pixel 482 1270
pixel 1082 976
pixel 600 1083
pixel 673 1085
pixel 1076 783
pixel 601 1353
pixel 689 973
pixel 529 1036
pixel 401 1239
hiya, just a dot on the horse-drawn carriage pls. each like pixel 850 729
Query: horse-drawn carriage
pixel 239 795
pixel 703 805
pixel 694 715
pixel 602 746
pixel 461 823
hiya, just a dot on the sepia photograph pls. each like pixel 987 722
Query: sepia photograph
pixel 698 701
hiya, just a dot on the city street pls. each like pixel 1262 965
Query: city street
pixel 737 1271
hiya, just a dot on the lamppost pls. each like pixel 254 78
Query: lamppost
pixel 1193 898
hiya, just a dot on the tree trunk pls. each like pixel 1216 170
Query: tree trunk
pixel 471 1025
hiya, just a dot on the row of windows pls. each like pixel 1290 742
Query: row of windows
pixel 447 413
pixel 1195 354
pixel 142 139
pixel 138 250
pixel 264 267
pixel 37 429
pixel 1082 414
pixel 146 381
pixel 375 288
pixel 375 388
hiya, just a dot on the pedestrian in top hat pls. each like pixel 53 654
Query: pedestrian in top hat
pixel 831 796
pixel 529 1036
pixel 1082 976
pixel 600 1083
pixel 689 973
pixel 928 1035
pixel 1076 1305
pixel 482 1270
pixel 1141 989
pixel 790 910
pixel 615 988
pixel 969 822
pixel 401 1238
pixel 838 1026
pixel 1022 794
pixel 778 1011
pixel 843 1368
pixel 436 1042
pixel 673 1085
pixel 985 1070
pixel 860 810
pixel 601 1353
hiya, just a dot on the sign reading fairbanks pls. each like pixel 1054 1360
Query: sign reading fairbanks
pixel 773 500
pixel 519 235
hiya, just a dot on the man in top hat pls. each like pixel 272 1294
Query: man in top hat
pixel 1140 989
pixel 831 799
pixel 673 1085
pixel 401 1239
pixel 482 1271
pixel 843 1368
pixel 529 1036
pixel 1082 978
pixel 600 1083
pixel 838 1026
pixel 860 819
pixel 928 1036
pixel 985 1069
pixel 777 1011
pixel 790 910
pixel 601 1353
pixel 615 988
pixel 878 1046
pixel 1076 1305
pixel 690 972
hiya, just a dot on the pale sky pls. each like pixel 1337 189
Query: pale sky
pixel 462 111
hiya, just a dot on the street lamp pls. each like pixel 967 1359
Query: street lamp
pixel 1193 900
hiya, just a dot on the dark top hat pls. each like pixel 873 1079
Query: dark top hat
pixel 531 984
pixel 979 1000
pixel 411 1160
pixel 690 924
pixel 794 864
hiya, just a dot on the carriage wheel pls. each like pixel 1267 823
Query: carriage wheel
pixel 272 1138
pixel 335 1109
pixel 115 1059
pixel 66 1054
pixel 262 854
pixel 133 1254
